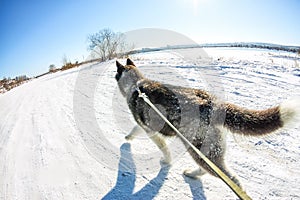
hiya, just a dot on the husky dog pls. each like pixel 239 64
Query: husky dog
pixel 198 115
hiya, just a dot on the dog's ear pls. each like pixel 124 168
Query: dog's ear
pixel 129 62
pixel 120 67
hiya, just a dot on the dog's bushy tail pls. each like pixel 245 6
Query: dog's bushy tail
pixel 262 122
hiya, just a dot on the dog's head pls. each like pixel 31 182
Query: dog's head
pixel 127 76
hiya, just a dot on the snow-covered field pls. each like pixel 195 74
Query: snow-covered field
pixel 53 147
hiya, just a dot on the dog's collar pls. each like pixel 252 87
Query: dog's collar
pixel 136 88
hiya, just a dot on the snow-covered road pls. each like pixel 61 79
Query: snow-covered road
pixel 42 156
pixel 45 155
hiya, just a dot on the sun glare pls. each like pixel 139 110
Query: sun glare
pixel 196 5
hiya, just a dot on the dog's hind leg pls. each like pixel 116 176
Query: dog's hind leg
pixel 134 132
pixel 228 173
pixel 213 146
pixel 203 167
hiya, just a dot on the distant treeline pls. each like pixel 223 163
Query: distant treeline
pixel 294 49
pixel 7 84
pixel 68 65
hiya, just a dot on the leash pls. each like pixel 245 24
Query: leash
pixel 232 185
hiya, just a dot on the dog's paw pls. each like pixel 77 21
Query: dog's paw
pixel 129 137
pixel 194 174
pixel 165 161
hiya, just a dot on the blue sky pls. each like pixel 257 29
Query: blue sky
pixel 37 33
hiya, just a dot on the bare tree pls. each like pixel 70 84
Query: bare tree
pixel 106 44
pixel 64 59
pixel 52 68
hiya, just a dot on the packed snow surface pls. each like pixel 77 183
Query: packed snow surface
pixel 49 150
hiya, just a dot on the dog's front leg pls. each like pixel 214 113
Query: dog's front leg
pixel 161 144
pixel 194 173
pixel 134 132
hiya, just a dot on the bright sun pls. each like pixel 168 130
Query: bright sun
pixel 196 4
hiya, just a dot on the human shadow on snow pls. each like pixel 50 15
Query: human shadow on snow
pixel 127 176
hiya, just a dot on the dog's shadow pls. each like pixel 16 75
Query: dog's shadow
pixel 127 176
